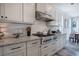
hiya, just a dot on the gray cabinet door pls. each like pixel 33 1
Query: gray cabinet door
pixel 13 11
pixel 2 11
pixel 1 51
pixel 17 53
pixel 28 12
pixel 33 48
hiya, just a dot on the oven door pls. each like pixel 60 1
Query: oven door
pixel 47 39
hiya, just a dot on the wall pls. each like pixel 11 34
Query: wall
pixel 9 28
pixel 63 21
pixel 39 26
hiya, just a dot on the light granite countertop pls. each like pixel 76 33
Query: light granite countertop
pixel 10 41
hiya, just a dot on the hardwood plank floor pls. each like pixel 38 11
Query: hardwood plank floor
pixel 71 49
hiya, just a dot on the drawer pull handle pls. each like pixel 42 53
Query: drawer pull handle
pixel 45 46
pixel 34 43
pixel 15 48
pixel 53 43
pixel 1 16
pixel 46 55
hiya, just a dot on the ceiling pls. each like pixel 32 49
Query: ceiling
pixel 72 9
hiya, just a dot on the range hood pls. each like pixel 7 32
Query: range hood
pixel 43 16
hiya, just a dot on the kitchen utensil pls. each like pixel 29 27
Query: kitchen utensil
pixel 1 35
pixel 16 35
pixel 28 29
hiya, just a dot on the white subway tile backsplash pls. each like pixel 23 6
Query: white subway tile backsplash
pixel 39 26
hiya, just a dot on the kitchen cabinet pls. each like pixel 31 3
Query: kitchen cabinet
pixel 1 51
pixel 45 50
pixel 54 46
pixel 60 42
pixel 18 12
pixel 2 9
pixel 29 12
pixel 17 53
pixel 33 48
pixel 16 49
pixel 13 11
pixel 48 49
pixel 53 49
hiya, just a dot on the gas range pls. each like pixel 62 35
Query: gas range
pixel 48 39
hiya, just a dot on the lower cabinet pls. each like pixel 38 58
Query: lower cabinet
pixel 48 49
pixel 1 51
pixel 33 48
pixel 60 42
pixel 17 53
pixel 51 48
pixel 15 50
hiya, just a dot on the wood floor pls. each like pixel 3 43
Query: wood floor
pixel 71 49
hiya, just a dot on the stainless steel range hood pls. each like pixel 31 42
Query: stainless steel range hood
pixel 42 16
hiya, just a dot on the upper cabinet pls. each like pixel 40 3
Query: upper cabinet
pixel 13 11
pixel 2 7
pixel 1 51
pixel 24 13
pixel 29 12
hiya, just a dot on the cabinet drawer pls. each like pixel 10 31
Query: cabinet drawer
pixel 34 51
pixel 1 51
pixel 15 47
pixel 48 45
pixel 17 53
pixel 47 49
pixel 45 54
pixel 33 43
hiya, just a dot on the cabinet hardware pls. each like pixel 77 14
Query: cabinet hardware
pixel 15 48
pixel 45 46
pixel 34 43
pixel 53 43
pixel 1 16
pixel 45 54
pixel 6 17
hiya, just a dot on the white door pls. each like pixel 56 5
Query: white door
pixel 60 42
pixel 1 51
pixel 33 48
pixel 13 11
pixel 33 51
pixel 29 12
pixel 17 53
pixel 2 11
